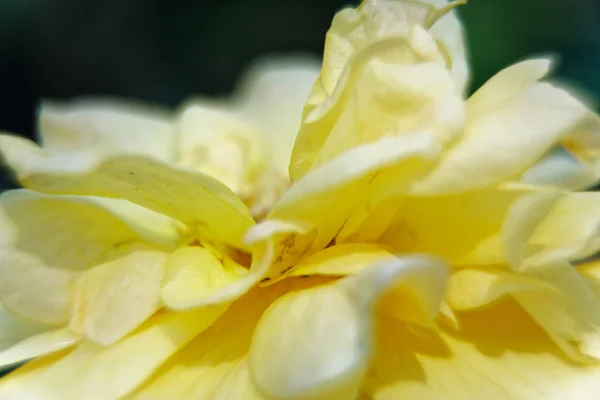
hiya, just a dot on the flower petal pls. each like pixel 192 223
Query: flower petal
pixel 112 299
pixel 340 260
pixel 214 363
pixel 85 372
pixel 39 345
pixel 433 224
pixel 33 290
pixel 550 226
pixel 271 95
pixel 316 342
pixel 13 328
pixel 501 143
pixel 104 127
pixel 193 274
pixel 192 198
pixel 58 229
pixel 499 353
pixel 324 197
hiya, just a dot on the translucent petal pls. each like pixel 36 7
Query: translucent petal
pixel 104 127
pixel 192 198
pixel 93 371
pixel 112 299
pixel 499 144
pixel 39 345
pixel 315 343
pixel 499 353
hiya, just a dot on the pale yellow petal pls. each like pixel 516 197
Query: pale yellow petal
pixel 271 95
pixel 324 197
pixel 500 144
pixel 498 354
pixel 13 328
pixel 67 232
pixel 315 343
pixel 39 345
pixel 340 260
pixel 192 198
pixel 31 289
pixel 554 226
pixel 462 229
pixel 208 367
pixel 92 371
pixel 194 274
pixel 112 299
pixel 104 127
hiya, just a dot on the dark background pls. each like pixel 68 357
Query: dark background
pixel 163 51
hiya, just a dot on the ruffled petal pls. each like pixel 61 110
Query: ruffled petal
pixel 376 47
pixel 112 299
pixel 507 131
pixel 92 371
pixel 316 342
pixel 58 229
pixel 195 199
pixel 323 198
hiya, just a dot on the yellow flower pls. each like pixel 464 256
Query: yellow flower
pixel 424 249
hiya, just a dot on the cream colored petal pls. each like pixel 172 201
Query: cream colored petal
pixel 112 299
pixel 324 198
pixel 104 127
pixel 194 274
pixel 192 198
pixel 271 96
pixel 67 232
pixel 92 371
pixel 315 343
pixel 13 328
pixel 543 228
pixel 500 144
pixel 498 354
pixel 39 345
pixel 33 290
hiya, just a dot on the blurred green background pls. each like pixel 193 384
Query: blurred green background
pixel 163 51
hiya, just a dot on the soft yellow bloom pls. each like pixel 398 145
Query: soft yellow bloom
pixel 426 248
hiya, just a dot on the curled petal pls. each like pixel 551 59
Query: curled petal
pixel 317 342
